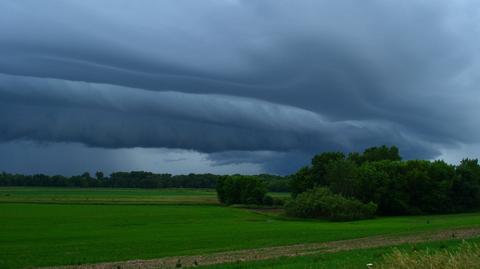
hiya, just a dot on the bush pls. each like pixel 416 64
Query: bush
pixel 322 203
pixel 272 201
pixel 267 200
pixel 278 201
pixel 241 190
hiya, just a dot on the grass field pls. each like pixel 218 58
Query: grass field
pixel 74 230
pixel 110 196
pixel 107 196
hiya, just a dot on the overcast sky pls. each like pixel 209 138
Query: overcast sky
pixel 232 86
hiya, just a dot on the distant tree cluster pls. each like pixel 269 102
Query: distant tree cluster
pixel 248 190
pixel 134 179
pixel 241 190
pixel 396 187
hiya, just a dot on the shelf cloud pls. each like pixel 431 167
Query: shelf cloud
pixel 250 86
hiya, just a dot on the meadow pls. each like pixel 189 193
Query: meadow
pixel 106 195
pixel 59 226
pixel 116 196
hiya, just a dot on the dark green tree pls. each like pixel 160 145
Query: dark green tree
pixel 466 186
pixel 381 153
pixel 99 175
pixel 238 189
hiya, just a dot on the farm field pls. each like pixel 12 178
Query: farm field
pixel 110 195
pixel 35 232
pixel 107 195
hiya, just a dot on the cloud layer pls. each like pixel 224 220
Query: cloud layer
pixel 265 82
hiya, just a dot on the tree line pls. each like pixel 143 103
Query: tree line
pixel 335 185
pixel 134 179
pixel 341 187
pixel 395 187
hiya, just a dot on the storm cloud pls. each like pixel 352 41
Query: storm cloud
pixel 257 83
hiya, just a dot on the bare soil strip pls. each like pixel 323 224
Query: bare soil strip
pixel 280 251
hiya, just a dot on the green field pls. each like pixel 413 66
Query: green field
pixel 111 196
pixel 36 231
pixel 107 196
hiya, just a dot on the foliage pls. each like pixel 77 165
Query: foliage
pixel 466 186
pixel 134 179
pixel 322 203
pixel 239 189
pixel 397 187
pixel 302 181
pixel 380 154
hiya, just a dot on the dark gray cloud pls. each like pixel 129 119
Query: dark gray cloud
pixel 261 82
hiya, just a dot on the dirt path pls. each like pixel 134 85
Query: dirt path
pixel 274 252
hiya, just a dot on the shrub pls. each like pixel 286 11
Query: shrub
pixel 278 201
pixel 322 203
pixel 267 200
